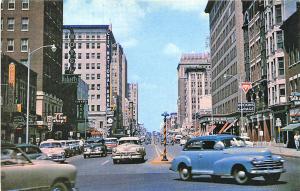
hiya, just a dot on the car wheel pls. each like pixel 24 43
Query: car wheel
pixel 271 178
pixel 216 178
pixel 185 173
pixel 59 186
pixel 240 175
pixel 84 156
pixel 115 161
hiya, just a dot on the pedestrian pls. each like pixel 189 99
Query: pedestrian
pixel 297 139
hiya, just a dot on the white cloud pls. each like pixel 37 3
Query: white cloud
pixel 130 42
pixel 179 5
pixel 172 50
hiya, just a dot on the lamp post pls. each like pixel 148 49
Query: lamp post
pixel 239 82
pixel 53 48
pixel 165 115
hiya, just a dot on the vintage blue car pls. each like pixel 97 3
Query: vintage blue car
pixel 226 155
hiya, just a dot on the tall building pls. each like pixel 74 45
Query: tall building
pixel 194 88
pixel 29 25
pixel 133 104
pixel 94 48
pixel 227 56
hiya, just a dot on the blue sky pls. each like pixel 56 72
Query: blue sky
pixel 153 33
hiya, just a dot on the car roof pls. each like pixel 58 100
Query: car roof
pixel 129 139
pixel 110 138
pixel 213 137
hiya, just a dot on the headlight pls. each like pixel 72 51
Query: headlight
pixel 114 150
pixel 255 161
pixel 62 153
pixel 140 150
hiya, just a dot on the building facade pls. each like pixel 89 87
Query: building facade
pixel 93 62
pixel 194 88
pixel 133 103
pixel 29 25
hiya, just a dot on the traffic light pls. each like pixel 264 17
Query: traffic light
pixel 19 107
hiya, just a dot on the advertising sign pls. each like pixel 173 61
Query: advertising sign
pixel 247 107
pixel 12 74
pixel 70 78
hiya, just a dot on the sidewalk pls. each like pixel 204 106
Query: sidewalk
pixel 280 149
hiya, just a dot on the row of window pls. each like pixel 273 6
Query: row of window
pixel 87 45
pixel 93 96
pixel 87 66
pixel 92 76
pixel 94 107
pixel 86 35
pixel 93 87
pixel 87 55
pixel 11 45
pixel 11 4
pixel 11 24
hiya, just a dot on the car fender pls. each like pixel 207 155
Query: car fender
pixel 180 160
pixel 224 166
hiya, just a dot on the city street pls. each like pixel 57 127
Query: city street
pixel 101 174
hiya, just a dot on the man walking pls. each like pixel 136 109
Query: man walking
pixel 297 139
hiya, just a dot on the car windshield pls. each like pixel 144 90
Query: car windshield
pixel 110 141
pixel 234 142
pixel 50 145
pixel 30 150
pixel 129 141
pixel 11 156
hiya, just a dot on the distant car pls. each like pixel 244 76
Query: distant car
pixel 18 172
pixel 94 149
pixel 218 155
pixel 53 149
pixel 33 152
pixel 66 146
pixel 111 143
pixel 247 141
pixel 129 148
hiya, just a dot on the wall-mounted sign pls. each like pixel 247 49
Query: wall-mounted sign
pixel 108 62
pixel 12 74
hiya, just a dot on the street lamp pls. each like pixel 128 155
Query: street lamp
pixel 53 48
pixel 165 115
pixel 239 82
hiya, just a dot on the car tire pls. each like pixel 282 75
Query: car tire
pixel 184 173
pixel 271 178
pixel 84 156
pixel 240 175
pixel 59 186
pixel 115 161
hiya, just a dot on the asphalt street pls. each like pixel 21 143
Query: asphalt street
pixel 100 173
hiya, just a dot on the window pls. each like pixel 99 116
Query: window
pixel 282 90
pixel 93 55
pixel 24 24
pixel 10 24
pixel 79 45
pixel 79 55
pixel 1 24
pixel 87 45
pixel 66 55
pixel 98 45
pixel 79 35
pixel 10 45
pixel 87 66
pixel 24 45
pixel 195 145
pixel 79 66
pixel 280 66
pixel 87 56
pixel 93 87
pixel 66 66
pixel 93 65
pixel 25 4
pixel 24 61
pixel 92 76
pixel 92 96
pixel 1 4
pixel 93 45
pixel 66 46
pixel 66 35
pixel 93 108
pixel 98 76
pixel 98 96
pixel 98 55
pixel 93 36
pixel 98 107
pixel 87 36
pixel 278 16
pixel 98 65
pixel 11 4
pixel 279 40
pixel 87 76
pixel 98 86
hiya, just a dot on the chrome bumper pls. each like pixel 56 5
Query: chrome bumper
pixel 268 171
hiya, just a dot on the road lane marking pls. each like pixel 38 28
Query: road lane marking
pixel 105 162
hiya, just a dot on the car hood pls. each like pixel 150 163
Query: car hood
pixel 52 150
pixel 128 147
pixel 248 151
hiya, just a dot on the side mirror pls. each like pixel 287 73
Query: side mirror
pixel 219 145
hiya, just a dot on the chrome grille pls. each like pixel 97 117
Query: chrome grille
pixel 268 165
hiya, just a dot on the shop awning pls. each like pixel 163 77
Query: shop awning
pixel 291 127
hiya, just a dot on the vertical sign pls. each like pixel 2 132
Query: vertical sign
pixel 12 74
pixel 72 51
pixel 108 62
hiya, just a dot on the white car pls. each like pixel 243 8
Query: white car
pixel 182 141
pixel 129 148
pixel 247 141
pixel 53 149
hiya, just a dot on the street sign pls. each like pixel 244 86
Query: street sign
pixel 278 122
pixel 81 101
pixel 247 107
pixel 110 120
pixel 261 133
pixel 246 86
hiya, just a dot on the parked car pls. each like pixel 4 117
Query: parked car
pixel 218 155
pixel 129 148
pixel 95 149
pixel 18 172
pixel 33 152
pixel 68 150
pixel 111 143
pixel 53 149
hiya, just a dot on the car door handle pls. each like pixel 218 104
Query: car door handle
pixel 200 155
